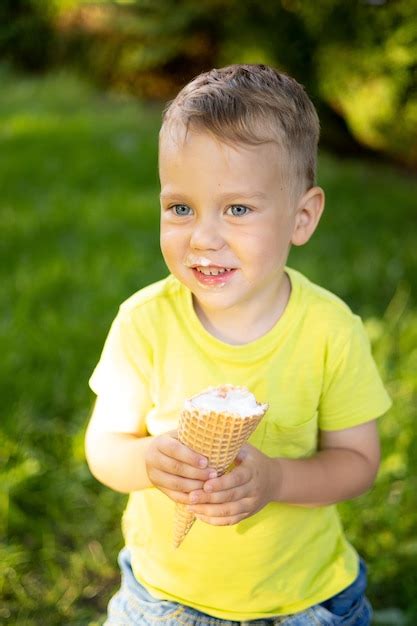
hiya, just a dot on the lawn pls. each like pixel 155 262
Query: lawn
pixel 79 233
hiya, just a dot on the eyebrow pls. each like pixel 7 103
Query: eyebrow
pixel 225 196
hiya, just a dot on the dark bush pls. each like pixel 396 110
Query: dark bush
pixel 26 34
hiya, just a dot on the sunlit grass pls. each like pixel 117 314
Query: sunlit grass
pixel 79 233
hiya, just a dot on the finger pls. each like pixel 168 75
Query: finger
pixel 218 497
pixel 170 446
pixel 173 482
pixel 235 478
pixel 224 510
pixel 176 496
pixel 198 496
pixel 180 468
pixel 222 521
pixel 242 454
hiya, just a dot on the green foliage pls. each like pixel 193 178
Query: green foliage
pixel 79 217
pixel 357 59
pixel 26 33
pixel 145 48
pixel 367 72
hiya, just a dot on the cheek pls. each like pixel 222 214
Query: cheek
pixel 171 243
pixel 264 250
pixel 164 242
pixel 259 244
pixel 168 235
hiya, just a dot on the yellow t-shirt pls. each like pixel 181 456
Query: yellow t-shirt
pixel 315 369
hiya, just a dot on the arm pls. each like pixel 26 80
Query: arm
pixel 344 467
pixel 129 462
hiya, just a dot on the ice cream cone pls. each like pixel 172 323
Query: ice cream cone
pixel 219 437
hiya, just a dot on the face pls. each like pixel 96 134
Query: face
pixel 226 221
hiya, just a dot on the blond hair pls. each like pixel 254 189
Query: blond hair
pixel 252 104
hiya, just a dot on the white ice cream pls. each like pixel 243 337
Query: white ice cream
pixel 192 260
pixel 226 399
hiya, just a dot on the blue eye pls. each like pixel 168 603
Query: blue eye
pixel 238 210
pixel 181 210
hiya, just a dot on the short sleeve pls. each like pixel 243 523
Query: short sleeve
pixel 353 392
pixel 121 378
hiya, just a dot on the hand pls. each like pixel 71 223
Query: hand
pixel 238 494
pixel 174 468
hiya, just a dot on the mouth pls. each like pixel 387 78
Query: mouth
pixel 207 273
pixel 212 270
pixel 213 276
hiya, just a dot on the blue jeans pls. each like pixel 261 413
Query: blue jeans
pixel 132 605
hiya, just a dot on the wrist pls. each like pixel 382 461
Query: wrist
pixel 275 479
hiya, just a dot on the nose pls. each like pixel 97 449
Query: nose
pixel 207 235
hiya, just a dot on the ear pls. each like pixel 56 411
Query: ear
pixel 307 216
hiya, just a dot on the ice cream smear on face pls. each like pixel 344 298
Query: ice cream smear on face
pixel 238 401
pixel 198 261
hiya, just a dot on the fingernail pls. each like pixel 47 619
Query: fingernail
pixel 202 463
pixel 213 474
pixel 208 488
pixel 193 499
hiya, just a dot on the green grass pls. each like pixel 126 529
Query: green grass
pixel 79 233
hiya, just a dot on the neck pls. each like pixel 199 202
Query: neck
pixel 253 322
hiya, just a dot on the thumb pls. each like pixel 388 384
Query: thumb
pixel 242 454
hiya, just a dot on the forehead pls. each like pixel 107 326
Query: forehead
pixel 201 153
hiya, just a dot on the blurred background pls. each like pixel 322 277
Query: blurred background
pixel 82 87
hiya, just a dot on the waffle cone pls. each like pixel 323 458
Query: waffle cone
pixel 219 437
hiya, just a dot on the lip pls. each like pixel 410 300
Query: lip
pixel 220 279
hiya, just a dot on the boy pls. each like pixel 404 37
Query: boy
pixel 237 169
